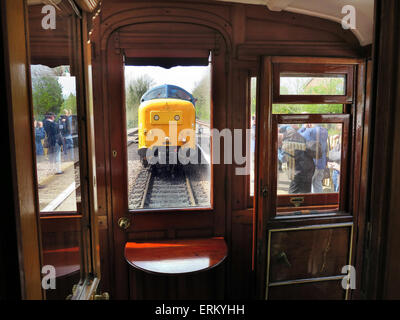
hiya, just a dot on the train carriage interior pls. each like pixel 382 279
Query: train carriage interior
pixel 200 150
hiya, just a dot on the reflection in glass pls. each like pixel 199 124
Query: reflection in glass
pixel 55 124
pixel 321 85
pixel 168 122
pixel 306 108
pixel 309 157
pixel 56 133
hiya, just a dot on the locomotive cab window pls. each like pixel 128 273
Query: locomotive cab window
pixel 168 133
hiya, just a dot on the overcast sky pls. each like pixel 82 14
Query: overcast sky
pixel 185 77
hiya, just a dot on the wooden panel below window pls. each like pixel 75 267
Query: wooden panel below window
pixel 308 253
pixel 323 290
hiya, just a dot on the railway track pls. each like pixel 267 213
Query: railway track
pixel 168 187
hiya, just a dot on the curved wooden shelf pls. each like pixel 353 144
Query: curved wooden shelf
pixel 177 256
pixel 67 261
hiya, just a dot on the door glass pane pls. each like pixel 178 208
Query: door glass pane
pixel 55 87
pixel 306 108
pixel 168 136
pixel 56 138
pixel 293 84
pixel 309 165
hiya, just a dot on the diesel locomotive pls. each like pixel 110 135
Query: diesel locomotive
pixel 167 120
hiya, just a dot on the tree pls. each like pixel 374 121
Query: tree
pixel 134 91
pixel 310 86
pixel 69 104
pixel 46 95
pixel 202 92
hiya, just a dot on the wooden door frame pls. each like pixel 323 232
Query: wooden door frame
pixel 264 219
pixel 381 267
pixel 191 219
pixel 21 143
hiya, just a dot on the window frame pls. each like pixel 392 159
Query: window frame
pixel 312 70
pixel 321 207
pixel 317 67
pixel 197 209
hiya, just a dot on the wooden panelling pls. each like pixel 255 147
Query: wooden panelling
pixel 201 286
pixel 238 35
pixel 324 290
pixel 14 28
pixel 382 260
pixel 50 47
pixel 303 254
pixel 241 255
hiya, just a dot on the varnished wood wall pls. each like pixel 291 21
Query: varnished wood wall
pixel 248 32
pixel 382 262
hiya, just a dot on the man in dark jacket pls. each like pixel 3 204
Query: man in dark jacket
pixel 300 155
pixel 54 141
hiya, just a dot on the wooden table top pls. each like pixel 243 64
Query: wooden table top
pixel 177 256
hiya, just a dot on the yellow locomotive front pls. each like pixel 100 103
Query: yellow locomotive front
pixel 167 121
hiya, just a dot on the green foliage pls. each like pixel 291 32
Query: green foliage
pixel 46 95
pixel 202 92
pixel 134 91
pixel 253 95
pixel 325 86
pixel 69 104
pixel 311 86
pixel 316 86
pixel 306 108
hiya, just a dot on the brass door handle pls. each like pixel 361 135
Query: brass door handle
pixel 124 223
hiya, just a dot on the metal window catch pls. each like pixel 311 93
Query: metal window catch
pixel 297 201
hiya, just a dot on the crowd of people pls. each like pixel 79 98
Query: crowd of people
pixel 310 157
pixel 54 138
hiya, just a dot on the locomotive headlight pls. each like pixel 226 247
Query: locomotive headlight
pixel 177 118
pixel 156 117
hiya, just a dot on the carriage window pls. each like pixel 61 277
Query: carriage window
pixel 306 108
pixel 168 136
pixel 309 158
pixel 307 154
pixel 311 107
pixel 56 100
pixel 56 138
pixel 312 85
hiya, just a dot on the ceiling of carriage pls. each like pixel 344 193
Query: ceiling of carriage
pixel 327 9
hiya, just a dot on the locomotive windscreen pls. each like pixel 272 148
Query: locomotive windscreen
pixel 168 91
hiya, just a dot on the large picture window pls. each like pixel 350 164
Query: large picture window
pixel 168 113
